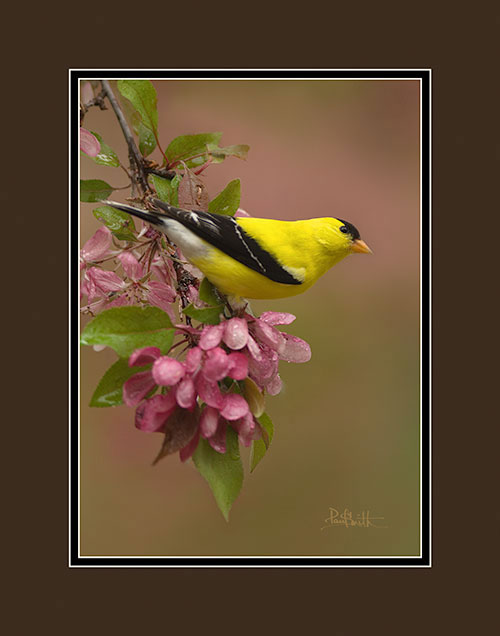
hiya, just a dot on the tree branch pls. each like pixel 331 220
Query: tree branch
pixel 127 133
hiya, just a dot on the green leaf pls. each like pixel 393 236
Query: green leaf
pixel 240 151
pixel 260 446
pixel 107 156
pixel 94 190
pixel 125 329
pixel 120 223
pixel 207 315
pixel 208 294
pixel 166 189
pixel 147 141
pixel 223 472
pixel 186 146
pixel 227 201
pixel 142 95
pixel 109 391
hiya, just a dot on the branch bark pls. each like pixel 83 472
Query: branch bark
pixel 127 133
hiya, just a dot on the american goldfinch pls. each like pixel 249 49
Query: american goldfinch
pixel 254 258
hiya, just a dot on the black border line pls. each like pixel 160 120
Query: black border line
pixel 110 561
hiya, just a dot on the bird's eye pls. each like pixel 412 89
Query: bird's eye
pixel 343 229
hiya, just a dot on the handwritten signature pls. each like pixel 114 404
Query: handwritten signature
pixel 364 519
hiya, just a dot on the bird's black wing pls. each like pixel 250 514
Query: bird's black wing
pixel 224 233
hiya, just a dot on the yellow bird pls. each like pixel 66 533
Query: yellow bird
pixel 254 258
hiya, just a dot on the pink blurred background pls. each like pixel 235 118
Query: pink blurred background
pixel 347 422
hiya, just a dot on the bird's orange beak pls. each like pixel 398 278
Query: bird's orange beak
pixel 360 247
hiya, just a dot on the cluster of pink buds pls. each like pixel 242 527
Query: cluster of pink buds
pixel 228 371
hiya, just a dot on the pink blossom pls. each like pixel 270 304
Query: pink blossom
pixel 101 282
pixel 161 295
pixel 295 349
pixel 131 266
pixel 97 247
pixel 266 346
pixel 89 144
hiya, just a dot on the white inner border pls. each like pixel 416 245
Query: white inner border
pixel 101 76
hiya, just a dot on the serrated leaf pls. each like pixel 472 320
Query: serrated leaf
pixel 166 189
pixel 227 201
pixel 240 151
pixel 259 446
pixel 109 391
pixel 192 192
pixel 147 141
pixel 142 95
pixel 223 472
pixel 120 223
pixel 94 190
pixel 207 293
pixel 125 329
pixel 207 315
pixel 107 156
pixel 186 146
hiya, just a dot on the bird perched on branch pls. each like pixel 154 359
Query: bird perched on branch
pixel 251 257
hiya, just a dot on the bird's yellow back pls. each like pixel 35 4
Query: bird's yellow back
pixel 307 249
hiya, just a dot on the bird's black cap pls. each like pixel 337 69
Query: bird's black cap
pixel 353 231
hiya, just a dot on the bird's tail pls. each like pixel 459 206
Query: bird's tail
pixel 145 215
pixel 165 209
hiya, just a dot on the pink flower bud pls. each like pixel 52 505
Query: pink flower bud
pixel 216 365
pixel 209 391
pixel 211 336
pixel 89 144
pixel 234 406
pixel 167 371
pixel 236 333
pixel 185 393
pixel 238 366
pixel 209 421
pixel 193 359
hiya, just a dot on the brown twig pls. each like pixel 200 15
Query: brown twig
pixel 98 100
pixel 134 153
